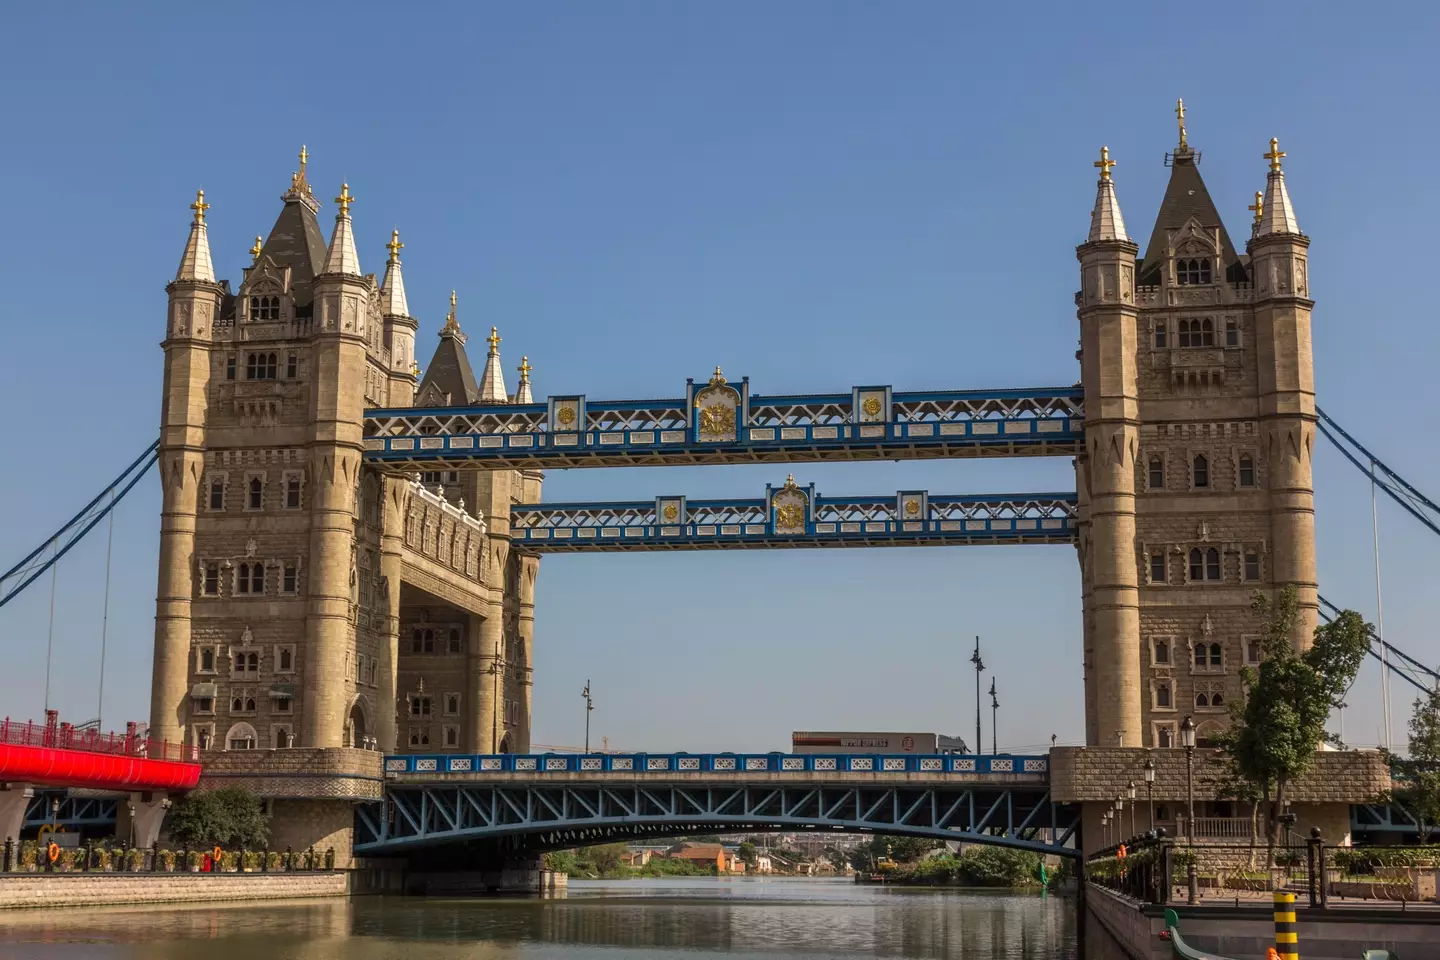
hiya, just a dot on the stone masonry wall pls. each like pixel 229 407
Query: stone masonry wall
pixel 1100 774
pixel 73 890
pixel 299 773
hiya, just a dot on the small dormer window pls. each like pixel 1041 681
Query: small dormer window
pixel 1192 271
pixel 264 308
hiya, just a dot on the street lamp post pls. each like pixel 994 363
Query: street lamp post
pixel 994 713
pixel 497 667
pixel 589 705
pixel 1187 740
pixel 1150 788
pixel 979 666
pixel 1130 792
pixel 1119 817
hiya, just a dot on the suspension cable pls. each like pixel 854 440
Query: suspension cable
pixel 105 615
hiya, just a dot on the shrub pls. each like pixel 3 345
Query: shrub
pixel 167 859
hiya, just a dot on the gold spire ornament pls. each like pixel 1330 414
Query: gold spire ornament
pixel 717 377
pixel 452 325
pixel 524 369
pixel 1180 119
pixel 1104 163
pixel 493 339
pixel 297 179
pixel 255 251
pixel 1274 155
pixel 199 206
pixel 345 199
pixel 1258 207
pixel 395 246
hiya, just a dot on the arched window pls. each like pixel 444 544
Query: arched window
pixel 1202 472
pixel 1160 334
pixel 1157 472
pixel 1165 741
pixel 1197 565
pixel 1207 333
pixel 1217 700
pixel 1201 700
pixel 237 704
pixel 217 493
pixel 1212 564
pixel 207 660
pixel 285 659
pixel 1199 654
pixel 256 493
pixel 264 308
pixel 280 737
pixel 1217 656
pixel 1162 695
pixel 1192 271
pixel 252 662
pixel 241 737
pixel 454 640
pixel 1247 470
pixel 1162 651
pixel 250 578
pixel 239 663
pixel 261 366
pixel 250 704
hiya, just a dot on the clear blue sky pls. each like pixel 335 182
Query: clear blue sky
pixel 811 194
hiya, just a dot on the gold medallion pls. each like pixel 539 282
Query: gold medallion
pixel 671 512
pixel 871 406
pixel 912 508
pixel 566 416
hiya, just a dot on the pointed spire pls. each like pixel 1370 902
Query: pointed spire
pixel 492 381
pixel 1277 216
pixel 452 324
pixel 342 257
pixel 1106 223
pixel 195 262
pixel 392 298
pixel 522 392
pixel 300 187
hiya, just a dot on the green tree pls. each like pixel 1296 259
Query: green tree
pixel 1417 777
pixel 229 817
pixel 606 857
pixel 746 853
pixel 901 849
pixel 1279 720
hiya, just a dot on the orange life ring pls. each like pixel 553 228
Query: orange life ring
pixel 53 851
pixel 216 854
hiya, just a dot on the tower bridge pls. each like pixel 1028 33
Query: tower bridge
pixel 349 547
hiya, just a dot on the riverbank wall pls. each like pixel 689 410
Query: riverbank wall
pixel 20 891
pixel 1247 930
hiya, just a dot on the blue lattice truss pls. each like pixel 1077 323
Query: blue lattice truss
pixel 545 815
pixel 722 422
pixel 905 518
pixel 74 812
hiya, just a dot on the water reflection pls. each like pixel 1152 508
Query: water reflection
pixel 660 918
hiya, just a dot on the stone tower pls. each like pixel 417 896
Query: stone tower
pixel 1195 486
pixel 307 601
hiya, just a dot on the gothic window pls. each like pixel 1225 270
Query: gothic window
pixel 1164 740
pixel 1252 566
pixel 1197 333
pixel 230 368
pixel 1157 472
pixel 419 706
pixel 1160 333
pixel 260 366
pixel 374 671
pixel 264 308
pixel 1247 470
pixel 217 493
pixel 452 704
pixel 1192 271
pixel 1197 566
pixel 290 579
pixel 211 586
pixel 285 661
pixel 419 736
pixel 255 495
pixel 1162 696
pixel 1162 652
pixel 1232 333
pixel 454 640
pixel 241 737
pixel 1201 700
pixel 250 578
pixel 1212 564
pixel 207 660
pixel 292 492
pixel 452 735
pixel 1201 475
pixel 1217 700
pixel 1252 651
pixel 1200 654
pixel 422 641
pixel 292 366
pixel 1217 655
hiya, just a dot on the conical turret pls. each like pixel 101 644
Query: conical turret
pixel 392 297
pixel 1276 214
pixel 492 381
pixel 1106 222
pixel 195 262
pixel 342 257
pixel 522 392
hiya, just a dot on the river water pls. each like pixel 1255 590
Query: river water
pixel 647 919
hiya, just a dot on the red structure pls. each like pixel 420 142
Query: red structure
pixel 57 754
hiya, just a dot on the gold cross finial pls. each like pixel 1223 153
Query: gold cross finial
pixel 199 206
pixel 414 369
pixel 494 340
pixel 304 159
pixel 1258 206
pixel 453 298
pixel 394 246
pixel 345 199
pixel 1275 154
pixel 255 250
pixel 1104 163
pixel 717 377
pixel 524 369
pixel 1180 118
pixel 451 324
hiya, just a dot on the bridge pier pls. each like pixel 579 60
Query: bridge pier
pixel 14 798
pixel 139 821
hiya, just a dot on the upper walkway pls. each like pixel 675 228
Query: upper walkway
pixel 721 422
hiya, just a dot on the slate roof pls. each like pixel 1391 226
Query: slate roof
pixel 1186 197
pixel 449 371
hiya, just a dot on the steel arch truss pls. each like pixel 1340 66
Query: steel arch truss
pixel 74 812
pixel 541 816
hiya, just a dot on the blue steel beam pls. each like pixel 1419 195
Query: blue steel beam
pixel 721 422
pixel 794 516
pixel 539 815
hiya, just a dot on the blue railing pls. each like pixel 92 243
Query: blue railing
pixel 738 764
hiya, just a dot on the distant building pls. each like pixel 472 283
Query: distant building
pixel 712 854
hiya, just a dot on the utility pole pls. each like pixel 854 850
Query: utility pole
pixel 589 705
pixel 979 666
pixel 994 716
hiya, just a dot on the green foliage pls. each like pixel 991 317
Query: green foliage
pixel 1279 720
pixel 979 866
pixel 1417 777
pixel 746 853
pixel 604 862
pixel 1365 859
pixel 229 817
pixel 901 849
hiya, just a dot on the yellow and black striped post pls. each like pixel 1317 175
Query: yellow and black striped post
pixel 1287 943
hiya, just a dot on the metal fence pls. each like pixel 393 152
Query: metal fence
pixel 1161 870
pixel 32 856
pixel 63 736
